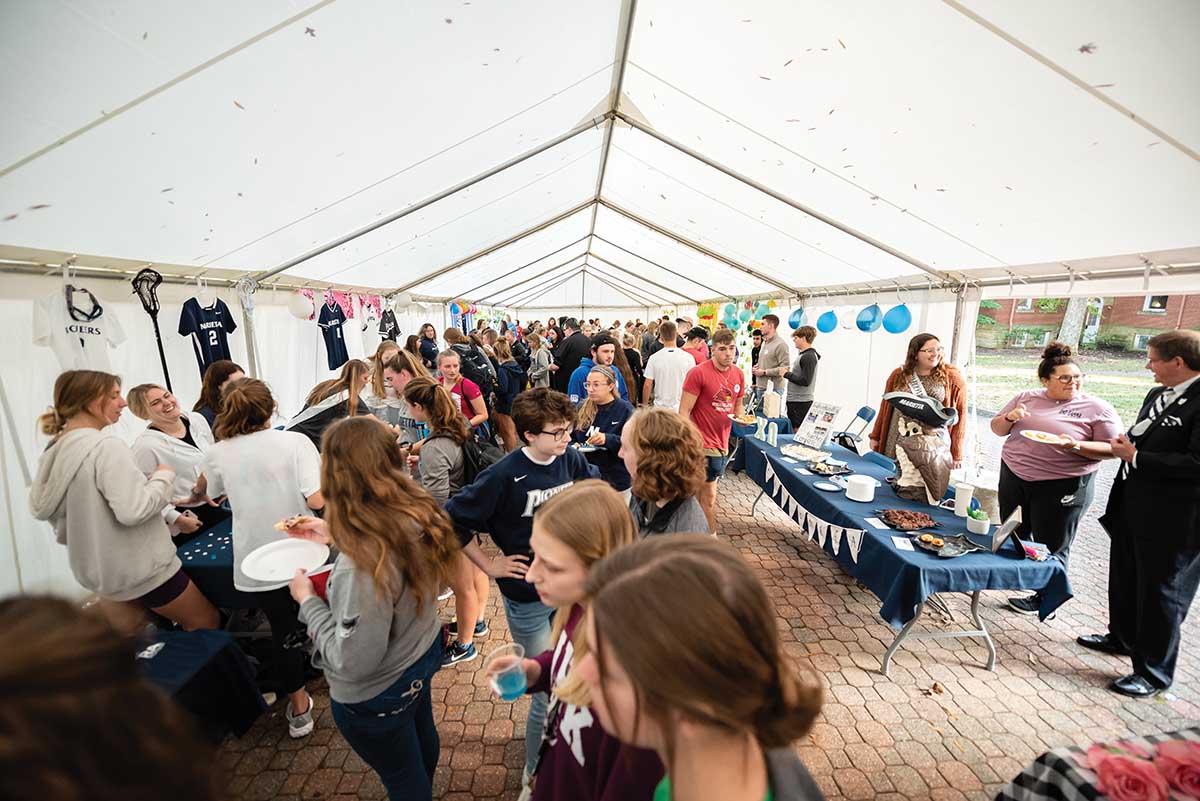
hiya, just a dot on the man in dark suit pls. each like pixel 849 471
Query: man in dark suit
pixel 1153 519
pixel 573 349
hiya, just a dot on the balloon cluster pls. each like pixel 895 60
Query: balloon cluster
pixel 896 320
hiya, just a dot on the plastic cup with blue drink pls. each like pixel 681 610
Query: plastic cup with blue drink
pixel 505 669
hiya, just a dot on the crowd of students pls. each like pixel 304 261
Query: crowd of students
pixel 392 465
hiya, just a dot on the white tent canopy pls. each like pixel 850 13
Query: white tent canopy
pixel 772 148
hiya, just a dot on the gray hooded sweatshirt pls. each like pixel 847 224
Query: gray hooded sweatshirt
pixel 107 513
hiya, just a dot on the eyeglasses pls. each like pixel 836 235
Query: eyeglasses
pixel 559 435
pixel 1070 379
pixel 932 351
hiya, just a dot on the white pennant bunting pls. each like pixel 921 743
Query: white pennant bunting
pixel 770 472
pixel 854 538
pixel 822 531
pixel 836 532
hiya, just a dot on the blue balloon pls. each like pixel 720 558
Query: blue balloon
pixel 870 318
pixel 732 322
pixel 897 320
pixel 827 322
pixel 454 309
pixel 796 318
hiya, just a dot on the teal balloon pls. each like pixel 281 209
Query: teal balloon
pixel 744 315
pixel 870 318
pixel 454 309
pixel 761 311
pixel 732 323
pixel 827 322
pixel 730 310
pixel 897 320
pixel 796 318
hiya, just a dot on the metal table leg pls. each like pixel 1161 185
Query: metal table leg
pixel 980 631
pixel 754 505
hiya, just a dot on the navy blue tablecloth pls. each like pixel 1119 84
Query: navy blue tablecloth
pixel 208 675
pixel 738 463
pixel 901 579
pixel 208 561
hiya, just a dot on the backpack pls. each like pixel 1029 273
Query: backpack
pixel 474 366
pixel 478 456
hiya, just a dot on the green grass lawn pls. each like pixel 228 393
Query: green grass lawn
pixel 1119 379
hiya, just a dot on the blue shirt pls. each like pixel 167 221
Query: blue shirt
pixel 575 387
pixel 502 500
pixel 610 420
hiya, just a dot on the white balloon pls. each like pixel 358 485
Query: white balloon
pixel 403 299
pixel 300 306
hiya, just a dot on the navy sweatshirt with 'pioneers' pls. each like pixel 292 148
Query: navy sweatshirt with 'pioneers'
pixel 502 500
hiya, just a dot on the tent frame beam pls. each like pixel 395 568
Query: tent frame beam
pixel 663 287
pixel 620 64
pixel 597 277
pixel 583 127
pixel 532 292
pixel 610 243
pixel 525 283
pixel 782 198
pixel 475 289
pixel 645 299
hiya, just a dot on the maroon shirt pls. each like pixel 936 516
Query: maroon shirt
pixel 582 762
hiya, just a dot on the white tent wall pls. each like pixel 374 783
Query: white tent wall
pixel 291 356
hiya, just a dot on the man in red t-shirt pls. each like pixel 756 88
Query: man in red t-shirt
pixel 712 391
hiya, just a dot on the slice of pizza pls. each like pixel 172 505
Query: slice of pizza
pixel 291 522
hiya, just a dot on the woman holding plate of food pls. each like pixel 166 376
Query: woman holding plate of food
pixel 1056 438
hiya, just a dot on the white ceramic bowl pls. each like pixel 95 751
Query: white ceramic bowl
pixel 978 526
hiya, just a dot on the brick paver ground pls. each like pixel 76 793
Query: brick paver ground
pixel 890 739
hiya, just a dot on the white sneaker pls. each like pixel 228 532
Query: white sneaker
pixel 526 790
pixel 300 725
pixel 444 594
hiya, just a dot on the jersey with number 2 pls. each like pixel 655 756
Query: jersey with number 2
pixel 209 327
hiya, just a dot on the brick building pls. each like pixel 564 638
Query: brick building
pixel 1124 322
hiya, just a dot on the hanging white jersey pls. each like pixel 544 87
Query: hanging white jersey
pixel 80 336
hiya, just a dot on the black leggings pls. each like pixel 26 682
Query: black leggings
pixel 1050 509
pixel 281 612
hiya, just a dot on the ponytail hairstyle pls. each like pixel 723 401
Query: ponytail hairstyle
pixel 210 387
pixel 1054 356
pixel 379 518
pixel 246 407
pixel 502 350
pixel 445 416
pixel 74 390
pixel 592 519
pixel 350 382
pixel 587 411
pixel 730 674
pixel 382 354
pixel 404 362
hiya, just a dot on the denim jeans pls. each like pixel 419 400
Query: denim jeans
pixel 394 732
pixel 529 624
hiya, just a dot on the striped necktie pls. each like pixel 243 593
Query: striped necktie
pixel 1142 426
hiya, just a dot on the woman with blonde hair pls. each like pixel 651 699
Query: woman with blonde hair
pixel 179 439
pixel 379 639
pixel 440 467
pixel 571 532
pixel 664 455
pixel 380 396
pixel 720 703
pixel 400 368
pixel 268 475
pixel 541 361
pixel 107 512
pixel 598 427
pixel 331 400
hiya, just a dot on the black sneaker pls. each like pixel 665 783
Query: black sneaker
pixel 457 652
pixel 1029 605
pixel 481 628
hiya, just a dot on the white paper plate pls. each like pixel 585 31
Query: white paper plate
pixel 586 448
pixel 279 560
pixel 827 486
pixel 1038 436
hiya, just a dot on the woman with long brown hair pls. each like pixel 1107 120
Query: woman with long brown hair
pixel 107 512
pixel 925 374
pixel 333 399
pixel 429 346
pixel 440 466
pixel 664 455
pixel 379 638
pixel 541 362
pixel 70 681
pixel 268 475
pixel 400 368
pixel 217 376
pixel 721 703
pixel 571 532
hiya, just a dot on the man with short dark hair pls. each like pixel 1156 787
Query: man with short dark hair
pixel 665 370
pixel 573 348
pixel 1153 521
pixel 802 378
pixel 712 395
pixel 604 351
pixel 772 360
pixel 502 501
pixel 695 343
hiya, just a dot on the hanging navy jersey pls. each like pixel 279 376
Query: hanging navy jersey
pixel 330 320
pixel 209 327
pixel 388 327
